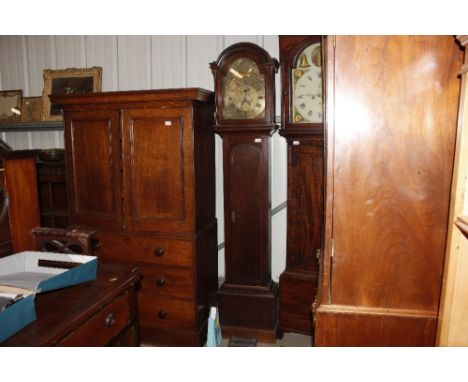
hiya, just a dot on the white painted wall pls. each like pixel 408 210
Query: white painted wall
pixel 140 62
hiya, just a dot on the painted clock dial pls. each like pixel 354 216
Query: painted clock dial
pixel 307 95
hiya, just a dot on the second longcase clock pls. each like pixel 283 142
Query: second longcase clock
pixel 244 86
pixel 302 119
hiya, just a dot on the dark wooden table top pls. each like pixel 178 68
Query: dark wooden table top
pixel 60 312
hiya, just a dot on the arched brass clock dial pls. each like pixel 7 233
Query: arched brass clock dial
pixel 306 100
pixel 244 91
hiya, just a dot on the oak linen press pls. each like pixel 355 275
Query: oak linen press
pixel 140 172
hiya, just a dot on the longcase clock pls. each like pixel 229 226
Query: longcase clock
pixel 245 119
pixel 302 118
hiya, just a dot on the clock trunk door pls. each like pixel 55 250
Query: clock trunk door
pixel 158 172
pixel 247 226
pixel 305 205
pixel 93 168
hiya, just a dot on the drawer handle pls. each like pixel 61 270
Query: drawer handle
pixel 159 252
pixel 110 320
pixel 161 282
pixel 162 314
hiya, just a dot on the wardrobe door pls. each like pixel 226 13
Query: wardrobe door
pixel 92 141
pixel 390 147
pixel 158 170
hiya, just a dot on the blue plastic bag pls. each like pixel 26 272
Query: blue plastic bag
pixel 214 329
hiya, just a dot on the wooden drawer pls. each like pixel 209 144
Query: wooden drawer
pixel 103 326
pixel 168 281
pixel 155 250
pixel 166 313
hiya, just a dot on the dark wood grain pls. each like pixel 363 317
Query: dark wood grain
pixel 392 142
pixel 21 183
pixel 142 96
pixel 92 141
pixel 5 234
pixel 247 225
pixel 246 146
pixel 342 327
pixel 156 198
pixel 296 295
pixel 305 204
pixel 305 216
pixel 52 189
pixel 76 316
pixel 158 173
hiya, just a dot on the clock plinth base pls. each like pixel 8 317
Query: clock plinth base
pixel 296 295
pixel 249 308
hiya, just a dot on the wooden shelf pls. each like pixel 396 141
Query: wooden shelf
pixel 32 126
pixel 462 223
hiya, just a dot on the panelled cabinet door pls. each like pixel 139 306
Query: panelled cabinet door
pixel 94 168
pixel 158 170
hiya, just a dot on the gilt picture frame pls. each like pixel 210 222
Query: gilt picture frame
pixel 67 81
pixel 10 105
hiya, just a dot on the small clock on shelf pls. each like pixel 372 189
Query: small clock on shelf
pixel 301 78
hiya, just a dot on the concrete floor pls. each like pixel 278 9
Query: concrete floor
pixel 288 340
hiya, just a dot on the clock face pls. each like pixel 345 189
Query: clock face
pixel 244 91
pixel 307 93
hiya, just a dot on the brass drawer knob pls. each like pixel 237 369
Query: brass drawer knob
pixel 158 252
pixel 110 320
pixel 161 282
pixel 162 314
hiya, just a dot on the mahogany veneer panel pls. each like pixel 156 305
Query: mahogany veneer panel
pixel 305 204
pixel 296 295
pixel 391 134
pixel 23 212
pixel 374 329
pixel 93 171
pixel 246 228
pixel 158 169
pixel 394 145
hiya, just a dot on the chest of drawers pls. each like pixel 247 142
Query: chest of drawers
pixel 97 313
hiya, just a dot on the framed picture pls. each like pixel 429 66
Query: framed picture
pixel 10 105
pixel 31 109
pixel 67 81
